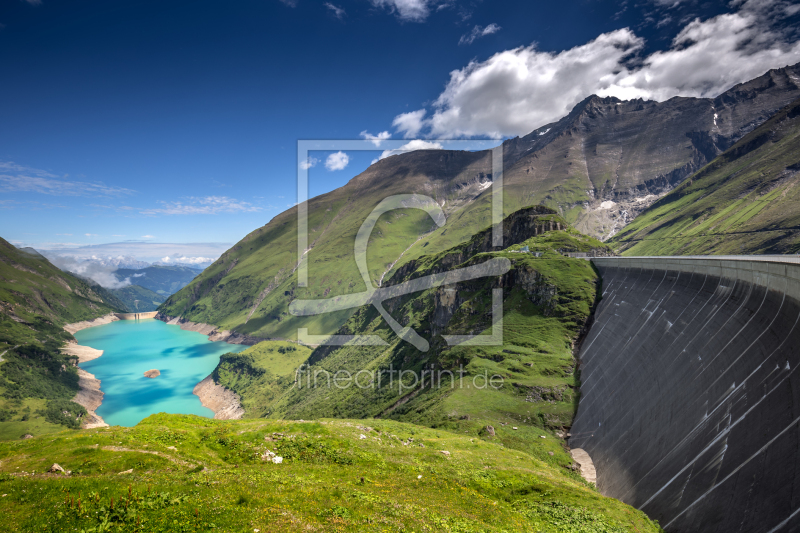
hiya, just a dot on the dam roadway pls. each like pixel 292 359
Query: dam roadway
pixel 690 391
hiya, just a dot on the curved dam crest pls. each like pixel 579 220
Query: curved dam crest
pixel 690 393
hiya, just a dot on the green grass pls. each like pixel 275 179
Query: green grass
pixel 261 373
pixel 545 311
pixel 331 479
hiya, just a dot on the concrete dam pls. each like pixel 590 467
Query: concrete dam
pixel 690 391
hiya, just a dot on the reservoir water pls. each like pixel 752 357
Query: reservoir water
pixel 131 347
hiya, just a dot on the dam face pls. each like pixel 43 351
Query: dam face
pixel 690 392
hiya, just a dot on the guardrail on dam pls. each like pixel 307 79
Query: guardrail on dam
pixel 690 391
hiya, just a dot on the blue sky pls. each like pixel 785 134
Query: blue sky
pixel 176 122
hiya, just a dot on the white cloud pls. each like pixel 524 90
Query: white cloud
pixel 416 144
pixel 515 91
pixel 90 234
pixel 309 163
pixel 376 139
pixel 100 273
pixel 208 205
pixel 290 3
pixel 187 260
pixel 24 181
pixel 410 124
pixel 64 234
pixel 478 32
pixel 337 161
pixel 338 12
pixel 131 251
pixel 409 10
pixel 147 237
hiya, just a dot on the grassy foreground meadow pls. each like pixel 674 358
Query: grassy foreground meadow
pixel 178 473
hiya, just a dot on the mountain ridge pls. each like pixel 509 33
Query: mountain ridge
pixel 744 201
pixel 598 167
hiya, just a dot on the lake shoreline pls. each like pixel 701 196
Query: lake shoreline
pixel 226 404
pixel 89 394
pixel 212 332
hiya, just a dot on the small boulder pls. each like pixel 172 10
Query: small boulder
pixel 27 436
pixel 172 448
pixel 126 472
pixel 445 453
pixel 489 430
pixel 515 428
pixel 277 459
pixel 152 373
pixel 56 468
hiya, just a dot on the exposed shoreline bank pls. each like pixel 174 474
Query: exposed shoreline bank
pixel 89 394
pixel 212 332
pixel 225 403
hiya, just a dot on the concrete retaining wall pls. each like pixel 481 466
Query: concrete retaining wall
pixel 690 395
pixel 136 316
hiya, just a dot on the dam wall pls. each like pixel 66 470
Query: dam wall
pixel 690 391
pixel 136 316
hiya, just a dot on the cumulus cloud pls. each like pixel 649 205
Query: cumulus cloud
pixel 207 205
pixel 338 12
pixel 132 254
pixel 337 161
pixel 376 139
pixel 416 144
pixel 478 32
pixel 309 163
pixel 409 10
pixel 101 274
pixel 518 90
pixel 182 259
pixel 290 3
pixel 411 123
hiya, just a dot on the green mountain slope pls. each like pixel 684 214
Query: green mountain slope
pixel 37 382
pixel 136 298
pixel 747 201
pixel 164 280
pixel 174 473
pixel 547 301
pixel 606 152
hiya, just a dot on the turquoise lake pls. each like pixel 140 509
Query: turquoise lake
pixel 131 347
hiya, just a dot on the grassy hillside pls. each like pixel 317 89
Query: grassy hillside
pixel 37 382
pixel 175 473
pixel 547 302
pixel 747 201
pixel 136 298
pixel 162 279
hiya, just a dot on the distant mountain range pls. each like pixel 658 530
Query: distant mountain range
pixel 161 279
pixel 599 166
